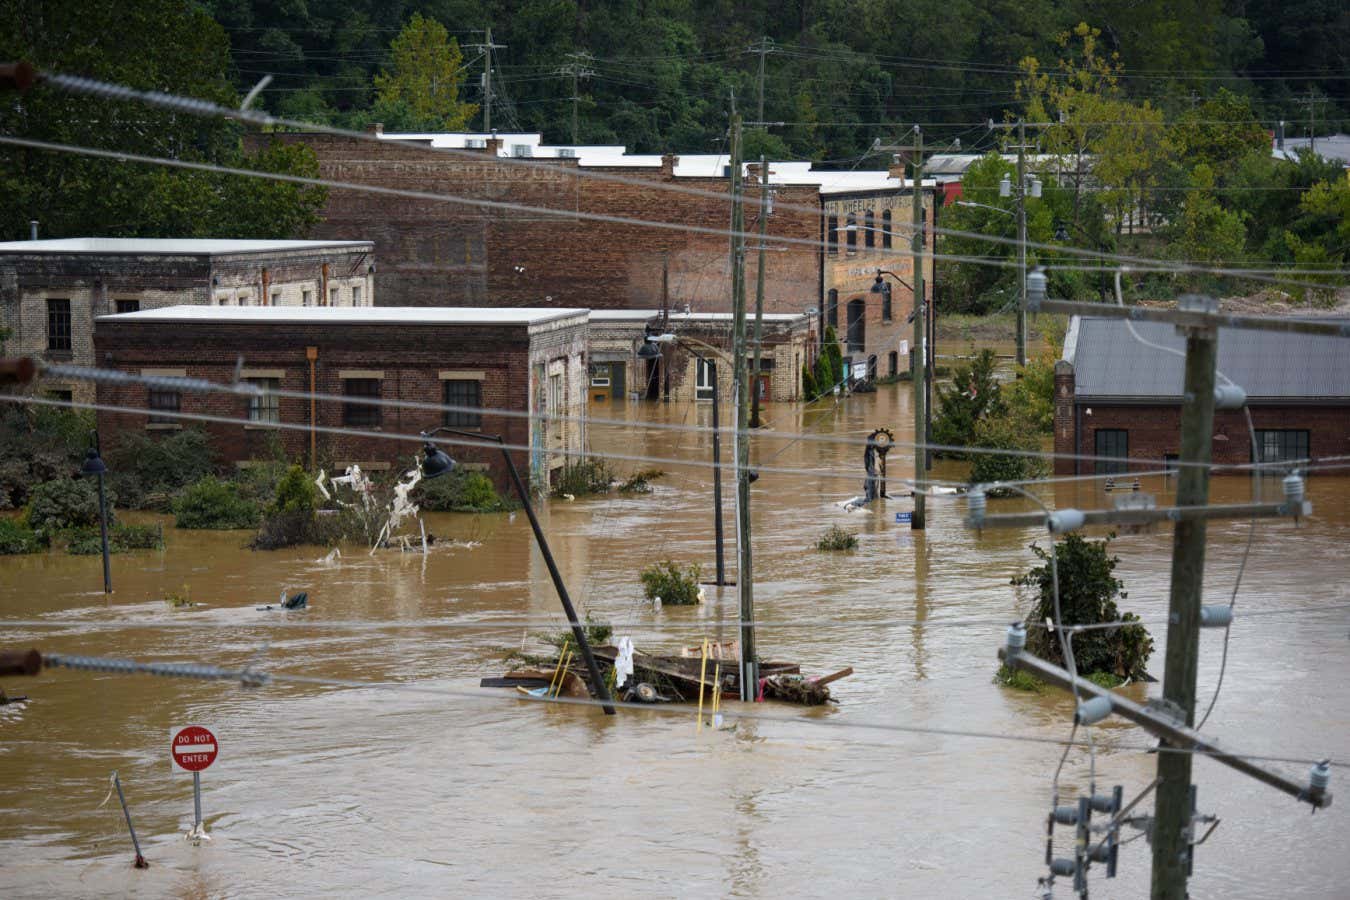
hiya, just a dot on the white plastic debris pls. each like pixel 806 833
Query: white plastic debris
pixel 623 664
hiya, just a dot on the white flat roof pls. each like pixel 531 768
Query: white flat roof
pixel 638 315
pixel 174 246
pixel 348 315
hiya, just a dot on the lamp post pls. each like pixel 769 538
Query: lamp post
pixel 922 369
pixel 652 341
pixel 94 465
pixel 437 463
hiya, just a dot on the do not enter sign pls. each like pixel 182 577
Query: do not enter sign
pixel 193 748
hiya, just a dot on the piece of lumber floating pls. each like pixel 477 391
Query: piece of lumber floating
pixel 833 676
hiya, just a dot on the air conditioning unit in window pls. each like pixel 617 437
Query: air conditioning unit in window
pixel 476 143
pixel 567 153
pixel 520 150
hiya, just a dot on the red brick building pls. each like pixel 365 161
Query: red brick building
pixel 520 360
pixel 1117 399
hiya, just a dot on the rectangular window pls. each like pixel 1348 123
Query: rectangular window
pixel 703 384
pixel 356 295
pixel 832 234
pixel 58 325
pixel 520 151
pixel 1113 446
pixel 886 229
pixel 306 298
pixel 361 415
pixel 161 403
pixel 832 309
pixel 276 298
pixel 894 364
pixel 128 306
pixel 265 408
pixel 463 392
pixel 870 226
pixel 566 153
pixel 1282 446
pixel 851 233
pixel 555 395
pixel 62 396
pixel 886 306
pixel 334 295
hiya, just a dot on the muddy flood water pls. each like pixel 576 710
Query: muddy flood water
pixel 449 790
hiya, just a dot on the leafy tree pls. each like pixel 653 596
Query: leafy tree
pixel 1088 590
pixel 75 196
pixel 1030 398
pixel 972 395
pixel 1206 233
pixel 1003 431
pixel 420 89
pixel 1218 132
pixel 65 503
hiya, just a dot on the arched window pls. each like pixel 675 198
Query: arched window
pixel 857 326
pixel 852 231
pixel 870 229
pixel 886 228
pixel 832 234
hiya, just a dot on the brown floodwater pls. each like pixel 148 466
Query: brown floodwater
pixel 327 790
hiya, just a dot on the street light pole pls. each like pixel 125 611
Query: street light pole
pixel 94 465
pixel 437 463
pixel 916 522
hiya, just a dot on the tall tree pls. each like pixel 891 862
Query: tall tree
pixel 421 85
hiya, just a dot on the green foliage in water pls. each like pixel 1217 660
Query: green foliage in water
pixel 1030 398
pixel 809 391
pixel 292 517
pixel 295 493
pixel 148 469
pixel 37 444
pixel 215 504
pixel 1018 680
pixel 583 477
pixel 836 538
pixel 459 491
pixel 65 503
pixel 972 395
pixel 1087 595
pixel 1003 432
pixel 598 634
pixel 121 539
pixel 640 482
pixel 674 585
pixel 16 538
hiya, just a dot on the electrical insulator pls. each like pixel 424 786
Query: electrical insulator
pixel 1320 777
pixel 1062 520
pixel 1106 803
pixel 1017 639
pixel 1229 396
pixel 1293 489
pixel 1066 815
pixel 1036 188
pixel 1090 712
pixel 1036 287
pixel 1216 616
pixel 1064 867
pixel 976 502
pixel 1005 186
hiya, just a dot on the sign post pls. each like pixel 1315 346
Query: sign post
pixel 193 748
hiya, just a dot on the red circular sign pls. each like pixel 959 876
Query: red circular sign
pixel 194 748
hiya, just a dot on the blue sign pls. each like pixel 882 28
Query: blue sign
pixel 904 518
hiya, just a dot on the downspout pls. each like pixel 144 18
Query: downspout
pixel 323 285
pixel 312 354
pixel 266 298
pixel 1077 434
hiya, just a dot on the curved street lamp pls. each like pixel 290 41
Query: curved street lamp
pixel 436 462
pixel 94 465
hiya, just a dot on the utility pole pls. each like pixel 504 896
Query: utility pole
pixel 763 47
pixel 577 68
pixel 1021 243
pixel 1311 102
pixel 487 47
pixel 764 207
pixel 1173 811
pixel 916 522
pixel 749 674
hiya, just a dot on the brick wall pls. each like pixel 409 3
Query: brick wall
pixel 435 253
pixel 410 359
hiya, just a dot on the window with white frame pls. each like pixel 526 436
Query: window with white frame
pixel 265 408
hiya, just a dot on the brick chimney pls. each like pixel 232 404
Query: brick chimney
pixel 1066 428
pixel 668 163
pixel 494 145
pixel 375 128
pixel 897 168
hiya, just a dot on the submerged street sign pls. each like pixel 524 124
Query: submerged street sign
pixel 193 748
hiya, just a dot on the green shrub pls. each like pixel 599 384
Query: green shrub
pixel 973 394
pixel 212 503
pixel 121 539
pixel 292 517
pixel 16 537
pixel 1018 680
pixel 1087 592
pixel 66 503
pixel 459 491
pixel 584 476
pixel 675 586
pixel 640 482
pixel 295 493
pixel 836 538
pixel 1031 398
pixel 809 389
pixel 1004 432
pixel 37 444
pixel 257 483
pixel 148 470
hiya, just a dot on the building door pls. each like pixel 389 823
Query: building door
pixel 601 383
pixel 1112 447
pixel 618 390
pixel 765 383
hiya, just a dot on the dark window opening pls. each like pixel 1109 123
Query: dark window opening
pixel 58 324
pixel 886 228
pixel 62 396
pixel 886 304
pixel 832 234
pixel 361 415
pixel 161 404
pixel 832 309
pixel 1282 446
pixel 1112 446
pixel 857 325
pixel 464 392
pixel 893 364
pixel 128 306
pixel 869 229
pixel 851 233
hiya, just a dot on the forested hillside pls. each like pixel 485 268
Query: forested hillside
pixel 838 73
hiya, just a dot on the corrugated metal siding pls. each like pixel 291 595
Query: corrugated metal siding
pixel 1109 362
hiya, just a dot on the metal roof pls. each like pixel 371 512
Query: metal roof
pixel 1269 365
pixel 171 246
pixel 347 315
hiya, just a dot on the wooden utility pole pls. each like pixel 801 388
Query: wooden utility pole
pixel 1173 812
pixel 759 289
pixel 745 581
pixel 920 365
pixel 487 47
pixel 1021 243
pixel 763 47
